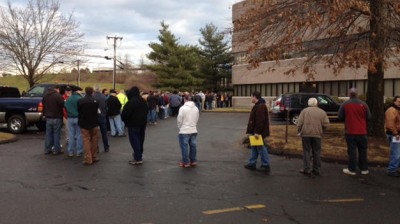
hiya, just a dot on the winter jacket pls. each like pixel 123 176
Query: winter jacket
pixel 392 121
pixel 71 105
pixel 53 105
pixel 113 106
pixel 355 114
pixel 175 100
pixel 88 109
pixel 312 121
pixel 135 111
pixel 101 100
pixel 188 117
pixel 259 120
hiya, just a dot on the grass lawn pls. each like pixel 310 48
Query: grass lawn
pixel 334 146
pixel 6 136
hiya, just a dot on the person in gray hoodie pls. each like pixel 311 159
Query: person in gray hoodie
pixel 312 121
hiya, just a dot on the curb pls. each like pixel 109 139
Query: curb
pixel 12 138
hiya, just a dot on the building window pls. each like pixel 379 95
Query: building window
pixel 388 87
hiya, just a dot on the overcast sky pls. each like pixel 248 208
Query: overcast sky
pixel 138 22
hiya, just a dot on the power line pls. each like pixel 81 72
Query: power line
pixel 115 38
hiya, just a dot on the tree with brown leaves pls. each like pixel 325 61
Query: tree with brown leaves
pixel 339 33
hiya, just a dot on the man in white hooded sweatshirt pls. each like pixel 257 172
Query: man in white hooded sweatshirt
pixel 187 123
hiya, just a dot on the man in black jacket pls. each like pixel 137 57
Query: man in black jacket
pixel 258 126
pixel 134 115
pixel 114 114
pixel 53 105
pixel 88 109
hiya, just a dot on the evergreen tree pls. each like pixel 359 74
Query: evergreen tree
pixel 216 59
pixel 175 65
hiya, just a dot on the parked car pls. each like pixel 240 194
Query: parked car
pixel 8 91
pixel 294 103
pixel 21 112
pixel 276 104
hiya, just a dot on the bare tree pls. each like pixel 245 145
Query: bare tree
pixel 38 37
pixel 341 34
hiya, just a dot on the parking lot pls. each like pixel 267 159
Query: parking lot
pixel 38 188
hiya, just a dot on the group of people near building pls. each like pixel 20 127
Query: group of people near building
pixel 88 114
pixel 311 124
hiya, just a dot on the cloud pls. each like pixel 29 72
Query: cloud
pixel 138 21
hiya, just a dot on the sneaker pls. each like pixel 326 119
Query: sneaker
pixel 48 153
pixel 57 153
pixel 70 155
pixel 79 155
pixel 348 172
pixel 364 172
pixel 265 168
pixel 393 174
pixel 316 173
pixel 107 149
pixel 134 162
pixel 305 172
pixel 193 164
pixel 184 165
pixel 250 167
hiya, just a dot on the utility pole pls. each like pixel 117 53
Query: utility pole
pixel 79 74
pixel 115 38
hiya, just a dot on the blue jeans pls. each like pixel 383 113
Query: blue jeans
pixel 357 143
pixel 75 138
pixel 115 125
pixel 255 151
pixel 198 105
pixel 185 141
pixel 103 130
pixel 152 116
pixel 394 158
pixel 53 135
pixel 136 139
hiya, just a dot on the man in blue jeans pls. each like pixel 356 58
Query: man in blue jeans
pixel 134 115
pixel 187 119
pixel 258 126
pixel 53 105
pixel 392 123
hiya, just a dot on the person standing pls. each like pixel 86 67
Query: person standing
pixel 152 101
pixel 187 119
pixel 258 126
pixel 74 132
pixel 123 99
pixel 53 110
pixel 175 103
pixel 67 94
pixel 134 115
pixel 114 114
pixel 89 123
pixel 355 114
pixel 101 100
pixel 392 124
pixel 312 121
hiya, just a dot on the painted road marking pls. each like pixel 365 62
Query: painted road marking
pixel 345 200
pixel 234 209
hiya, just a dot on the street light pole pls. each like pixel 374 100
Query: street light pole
pixel 115 56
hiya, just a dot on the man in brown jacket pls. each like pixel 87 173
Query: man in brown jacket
pixel 392 123
pixel 258 126
pixel 312 121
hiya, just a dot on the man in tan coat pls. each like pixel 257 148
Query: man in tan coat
pixel 312 121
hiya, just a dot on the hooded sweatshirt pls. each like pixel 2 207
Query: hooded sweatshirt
pixel 187 118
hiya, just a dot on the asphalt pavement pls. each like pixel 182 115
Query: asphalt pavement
pixel 38 188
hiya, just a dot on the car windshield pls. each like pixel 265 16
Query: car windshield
pixel 36 91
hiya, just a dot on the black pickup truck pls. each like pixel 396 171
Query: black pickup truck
pixel 21 112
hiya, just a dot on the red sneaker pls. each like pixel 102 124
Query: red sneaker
pixel 184 165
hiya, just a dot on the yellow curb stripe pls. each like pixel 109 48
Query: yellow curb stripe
pixel 346 200
pixel 234 209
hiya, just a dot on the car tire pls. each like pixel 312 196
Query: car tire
pixel 16 124
pixel 294 118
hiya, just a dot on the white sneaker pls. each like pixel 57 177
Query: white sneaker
pixel 347 171
pixel 364 172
